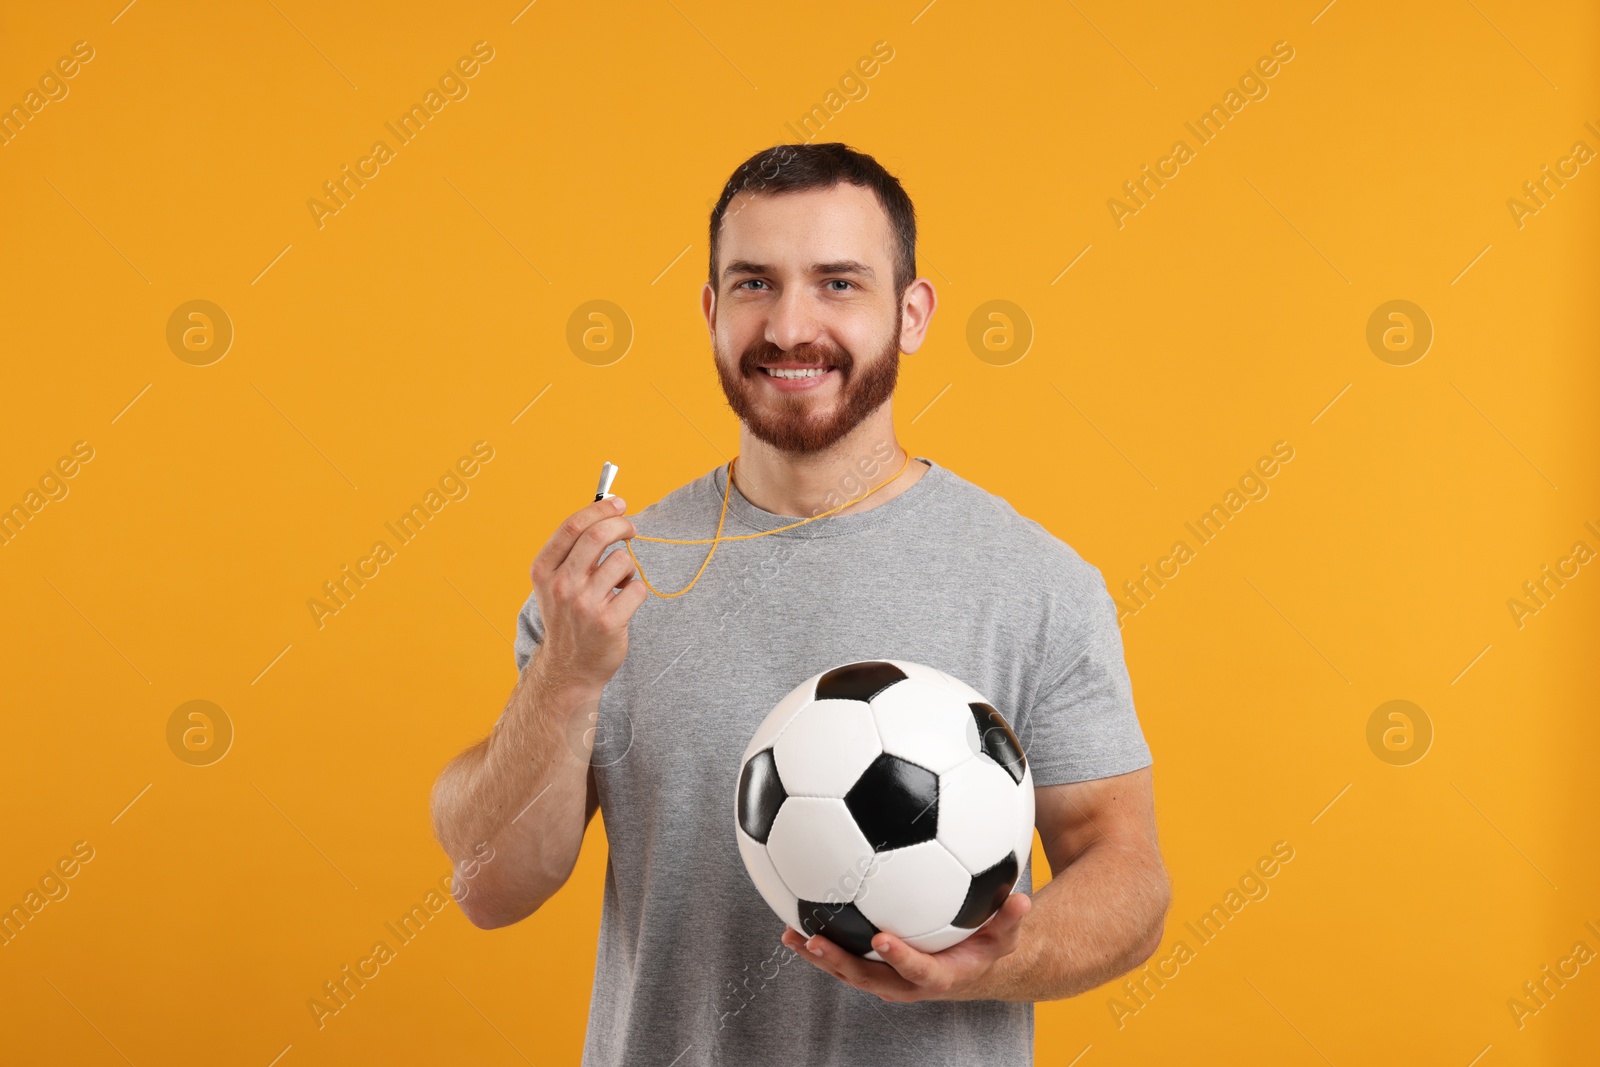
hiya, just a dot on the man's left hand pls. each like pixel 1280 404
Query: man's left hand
pixel 907 975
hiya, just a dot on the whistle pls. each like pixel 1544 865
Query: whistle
pixel 608 474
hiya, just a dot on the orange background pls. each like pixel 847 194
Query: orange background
pixel 371 352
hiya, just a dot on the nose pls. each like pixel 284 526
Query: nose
pixel 792 321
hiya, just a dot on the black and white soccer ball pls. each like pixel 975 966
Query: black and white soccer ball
pixel 884 795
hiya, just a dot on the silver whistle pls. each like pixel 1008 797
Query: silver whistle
pixel 608 474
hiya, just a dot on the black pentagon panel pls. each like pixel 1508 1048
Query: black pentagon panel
pixel 895 803
pixel 858 681
pixel 760 795
pixel 987 892
pixel 843 924
pixel 998 741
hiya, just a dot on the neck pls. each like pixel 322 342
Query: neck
pixel 806 484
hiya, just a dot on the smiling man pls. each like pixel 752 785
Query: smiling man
pixel 640 706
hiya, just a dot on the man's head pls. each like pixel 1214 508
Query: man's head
pixel 813 265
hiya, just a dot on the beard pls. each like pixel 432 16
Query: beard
pixel 787 421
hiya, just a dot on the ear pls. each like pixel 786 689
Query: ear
pixel 708 307
pixel 918 306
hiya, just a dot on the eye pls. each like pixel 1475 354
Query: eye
pixel 749 281
pixel 840 281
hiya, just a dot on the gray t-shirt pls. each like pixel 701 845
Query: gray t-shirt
pixel 689 968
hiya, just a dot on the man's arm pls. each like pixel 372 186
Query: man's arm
pixel 1101 915
pixel 1105 908
pixel 511 811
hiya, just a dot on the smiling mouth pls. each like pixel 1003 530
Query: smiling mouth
pixel 795 372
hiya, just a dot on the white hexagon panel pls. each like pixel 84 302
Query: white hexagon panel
pixel 826 747
pixel 818 849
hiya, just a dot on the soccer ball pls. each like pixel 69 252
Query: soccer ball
pixel 884 795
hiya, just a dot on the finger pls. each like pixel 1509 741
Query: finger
pixel 917 967
pixel 878 978
pixel 1007 922
pixel 794 941
pixel 1004 929
pixel 585 552
pixel 811 953
pixel 797 942
pixel 938 972
pixel 815 951
pixel 612 572
pixel 621 607
pixel 1011 911
pixel 555 550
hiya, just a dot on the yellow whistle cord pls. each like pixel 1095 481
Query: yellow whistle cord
pixel 714 541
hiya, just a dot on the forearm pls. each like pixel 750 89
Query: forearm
pixel 1099 918
pixel 512 809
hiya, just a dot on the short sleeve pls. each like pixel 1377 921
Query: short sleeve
pixel 1081 723
pixel 530 631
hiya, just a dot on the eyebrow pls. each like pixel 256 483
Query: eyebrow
pixel 842 266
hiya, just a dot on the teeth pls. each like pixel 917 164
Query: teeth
pixel 809 372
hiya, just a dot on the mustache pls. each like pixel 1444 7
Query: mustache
pixel 767 352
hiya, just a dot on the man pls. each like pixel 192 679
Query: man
pixel 641 705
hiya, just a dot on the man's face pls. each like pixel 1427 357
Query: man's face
pixel 806 282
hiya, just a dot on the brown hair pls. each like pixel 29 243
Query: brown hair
pixel 792 167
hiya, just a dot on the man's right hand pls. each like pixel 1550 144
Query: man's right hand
pixel 585 622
